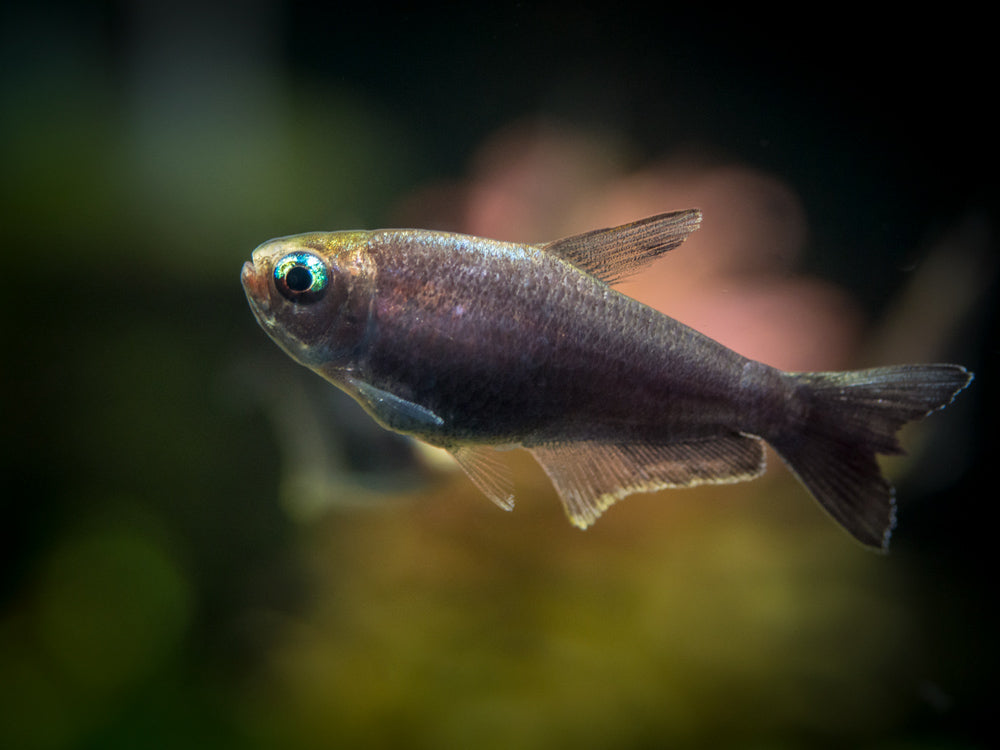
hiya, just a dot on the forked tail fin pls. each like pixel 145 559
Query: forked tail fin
pixel 842 420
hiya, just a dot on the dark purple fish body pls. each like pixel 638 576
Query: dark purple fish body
pixel 470 344
pixel 523 348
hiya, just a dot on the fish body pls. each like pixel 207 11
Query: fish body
pixel 472 344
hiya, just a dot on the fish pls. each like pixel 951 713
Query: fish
pixel 476 345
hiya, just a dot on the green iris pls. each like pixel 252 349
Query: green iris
pixel 301 277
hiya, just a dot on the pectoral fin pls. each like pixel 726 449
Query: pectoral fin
pixel 590 476
pixel 614 253
pixel 394 412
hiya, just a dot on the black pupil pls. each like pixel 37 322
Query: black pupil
pixel 299 279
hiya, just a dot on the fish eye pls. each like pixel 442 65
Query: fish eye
pixel 301 277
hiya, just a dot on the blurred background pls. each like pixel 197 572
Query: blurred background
pixel 204 545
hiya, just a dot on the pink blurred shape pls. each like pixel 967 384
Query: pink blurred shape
pixel 734 280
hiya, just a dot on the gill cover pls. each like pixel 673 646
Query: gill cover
pixel 321 287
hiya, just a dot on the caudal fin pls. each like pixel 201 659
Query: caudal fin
pixel 842 420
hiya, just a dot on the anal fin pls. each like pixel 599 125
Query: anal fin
pixel 591 476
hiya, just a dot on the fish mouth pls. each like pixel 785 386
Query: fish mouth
pixel 254 285
pixel 248 275
pixel 255 272
pixel 254 277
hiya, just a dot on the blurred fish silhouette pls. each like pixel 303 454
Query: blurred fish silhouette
pixel 473 344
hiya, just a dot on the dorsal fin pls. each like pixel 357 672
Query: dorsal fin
pixel 616 252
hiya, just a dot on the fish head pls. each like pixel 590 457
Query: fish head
pixel 312 294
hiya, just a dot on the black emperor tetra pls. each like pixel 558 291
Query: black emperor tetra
pixel 472 344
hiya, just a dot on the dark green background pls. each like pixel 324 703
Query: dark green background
pixel 153 586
